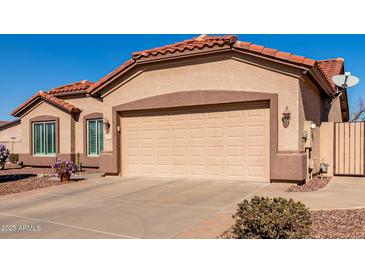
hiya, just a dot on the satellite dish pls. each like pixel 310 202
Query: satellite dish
pixel 345 80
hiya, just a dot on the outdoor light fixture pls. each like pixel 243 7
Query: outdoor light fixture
pixel 107 126
pixel 286 117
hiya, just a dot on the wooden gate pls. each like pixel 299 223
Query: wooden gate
pixel 349 149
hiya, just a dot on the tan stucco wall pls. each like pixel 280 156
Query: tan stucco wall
pixel 64 126
pixel 5 138
pixel 335 114
pixel 319 111
pixel 88 105
pixel 227 74
pixel 327 145
pixel 311 103
pixel 310 109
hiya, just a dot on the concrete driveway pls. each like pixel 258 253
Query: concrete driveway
pixel 117 207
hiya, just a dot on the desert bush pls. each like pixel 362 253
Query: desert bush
pixel 4 155
pixel 265 218
pixel 14 158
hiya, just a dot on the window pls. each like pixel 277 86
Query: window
pixel 44 138
pixel 95 143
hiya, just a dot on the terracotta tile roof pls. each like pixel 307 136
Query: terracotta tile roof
pixel 198 42
pixel 110 75
pixel 3 123
pixel 330 68
pixel 326 67
pixel 49 98
pixel 285 56
pixel 77 87
pixel 7 124
pixel 191 44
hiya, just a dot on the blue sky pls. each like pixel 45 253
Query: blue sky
pixel 29 63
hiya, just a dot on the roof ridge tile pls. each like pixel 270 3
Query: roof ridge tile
pixel 49 98
pixel 210 41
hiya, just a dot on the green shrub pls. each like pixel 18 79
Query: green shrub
pixel 265 218
pixel 14 158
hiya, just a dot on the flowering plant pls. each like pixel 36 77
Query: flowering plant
pixel 64 169
pixel 4 155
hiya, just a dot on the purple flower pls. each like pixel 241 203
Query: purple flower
pixel 62 167
pixel 4 154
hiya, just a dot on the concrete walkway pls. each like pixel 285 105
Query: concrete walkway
pixel 340 193
pixel 115 207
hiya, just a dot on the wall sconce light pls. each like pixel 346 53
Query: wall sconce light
pixel 286 117
pixel 107 126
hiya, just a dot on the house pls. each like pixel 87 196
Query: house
pixel 211 107
pixel 10 135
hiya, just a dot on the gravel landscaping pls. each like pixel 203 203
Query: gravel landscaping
pixel 315 184
pixel 338 224
pixel 14 179
pixel 332 224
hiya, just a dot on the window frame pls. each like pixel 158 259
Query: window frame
pixel 44 141
pixel 98 150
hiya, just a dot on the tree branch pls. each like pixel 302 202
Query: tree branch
pixel 359 114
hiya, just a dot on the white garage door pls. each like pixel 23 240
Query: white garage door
pixel 229 142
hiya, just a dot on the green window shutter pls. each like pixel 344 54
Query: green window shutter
pixel 92 137
pixel 100 136
pixel 50 138
pixel 38 141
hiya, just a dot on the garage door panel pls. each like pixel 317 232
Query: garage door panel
pixel 162 151
pixel 197 133
pixel 180 170
pixel 179 151
pixel 132 151
pixel 162 160
pixel 132 169
pixel 234 152
pixel 179 133
pixel 132 135
pixel 255 114
pixel 235 161
pixel 215 115
pixel 218 142
pixel 197 170
pixel 164 170
pixel 196 150
pixel 215 151
pixel 255 171
pixel 234 131
pixel 254 151
pixel 148 151
pixel 215 170
pixel 146 160
pixel 133 160
pixel 197 116
pixel 176 120
pixel 215 132
pixel 162 134
pixel 255 131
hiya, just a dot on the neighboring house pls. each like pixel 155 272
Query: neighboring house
pixel 3 123
pixel 207 108
pixel 10 135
